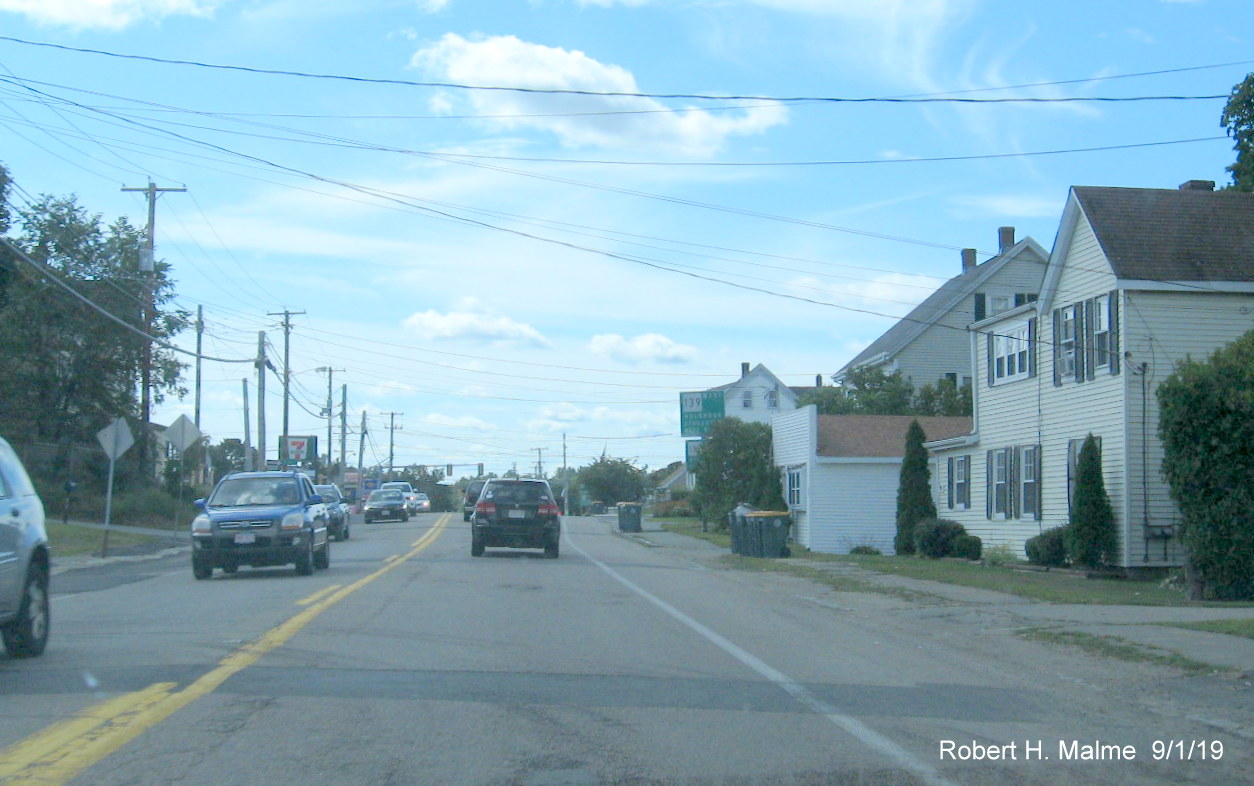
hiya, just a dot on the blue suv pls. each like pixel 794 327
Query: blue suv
pixel 261 519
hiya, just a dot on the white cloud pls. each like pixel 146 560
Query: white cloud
pixel 474 325
pixel 392 388
pixel 1009 206
pixel 108 14
pixel 635 422
pixel 892 294
pixel 649 347
pixel 510 62
pixel 431 6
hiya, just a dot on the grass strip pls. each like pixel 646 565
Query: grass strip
pixel 1241 627
pixel 1114 647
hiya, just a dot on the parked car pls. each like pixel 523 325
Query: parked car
pixel 424 503
pixel 386 504
pixel 411 496
pixel 338 511
pixel 473 489
pixel 24 561
pixel 520 514
pixel 261 519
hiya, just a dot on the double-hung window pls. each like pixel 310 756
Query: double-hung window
pixel 1103 336
pixel 1011 348
pixel 794 488
pixel 1030 481
pixel 959 482
pixel 1000 484
pixel 746 399
pixel 1066 345
pixel 772 399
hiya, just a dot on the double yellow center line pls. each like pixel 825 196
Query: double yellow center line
pixel 64 749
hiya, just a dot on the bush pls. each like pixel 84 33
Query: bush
pixel 1048 548
pixel 673 508
pixel 998 555
pixel 935 537
pixel 1091 540
pixel 865 550
pixel 968 547
pixel 150 507
pixel 1206 423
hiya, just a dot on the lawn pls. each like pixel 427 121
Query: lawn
pixel 1243 628
pixel 68 540
pixel 1049 586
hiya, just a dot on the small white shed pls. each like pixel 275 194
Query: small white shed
pixel 841 472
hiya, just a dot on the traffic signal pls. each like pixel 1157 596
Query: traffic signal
pixel 448 470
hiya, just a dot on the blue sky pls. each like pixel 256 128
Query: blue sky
pixel 504 267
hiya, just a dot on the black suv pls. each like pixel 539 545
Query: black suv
pixel 261 519
pixel 473 489
pixel 519 514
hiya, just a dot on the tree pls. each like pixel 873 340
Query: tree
pixel 1206 423
pixel 870 391
pixel 430 481
pixel 613 480
pixel 1238 118
pixel 734 466
pixel 85 366
pixel 914 493
pixel 1091 539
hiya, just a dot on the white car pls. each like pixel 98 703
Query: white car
pixel 24 560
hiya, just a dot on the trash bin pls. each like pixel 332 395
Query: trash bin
pixel 598 508
pixel 742 540
pixel 629 517
pixel 770 528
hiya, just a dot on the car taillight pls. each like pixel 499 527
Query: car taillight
pixel 548 509
pixel 486 508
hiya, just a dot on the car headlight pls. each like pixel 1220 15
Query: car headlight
pixel 293 520
pixel 202 525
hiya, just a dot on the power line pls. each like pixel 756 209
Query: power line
pixel 604 93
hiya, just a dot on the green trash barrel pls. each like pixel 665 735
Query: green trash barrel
pixel 629 517
pixel 769 530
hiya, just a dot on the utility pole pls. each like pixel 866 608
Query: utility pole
pixel 248 447
pixel 200 337
pixel 262 365
pixel 392 429
pixel 148 266
pixel 287 372
pixel 361 459
pixel 344 433
pixel 539 462
pixel 565 477
pixel 330 372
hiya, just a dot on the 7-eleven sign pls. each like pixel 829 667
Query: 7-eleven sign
pixel 301 448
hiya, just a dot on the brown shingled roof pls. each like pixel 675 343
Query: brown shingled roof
pixel 1173 235
pixel 881 436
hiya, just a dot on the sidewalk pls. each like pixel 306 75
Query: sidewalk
pixel 1140 625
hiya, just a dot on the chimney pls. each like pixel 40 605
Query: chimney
pixel 744 370
pixel 1198 185
pixel 1005 238
pixel 968 259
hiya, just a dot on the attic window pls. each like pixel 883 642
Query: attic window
pixel 772 399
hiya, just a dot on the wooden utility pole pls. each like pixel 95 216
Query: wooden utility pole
pixel 287 372
pixel 262 364
pixel 392 429
pixel 147 265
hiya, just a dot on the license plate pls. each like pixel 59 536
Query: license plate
pixel 244 538
pixel 518 514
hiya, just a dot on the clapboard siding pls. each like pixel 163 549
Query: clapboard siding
pixel 857 502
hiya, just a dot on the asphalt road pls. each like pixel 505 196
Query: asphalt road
pixel 411 662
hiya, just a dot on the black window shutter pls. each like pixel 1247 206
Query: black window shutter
pixel 1032 347
pixel 1079 342
pixel 988 485
pixel 981 307
pixel 1057 344
pixel 951 481
pixel 1040 498
pixel 1116 358
pixel 1012 483
pixel 1020 299
pixel 991 345
pixel 1090 358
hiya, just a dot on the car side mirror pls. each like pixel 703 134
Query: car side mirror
pixel 316 499
pixel 200 503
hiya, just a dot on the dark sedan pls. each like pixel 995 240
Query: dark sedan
pixel 386 504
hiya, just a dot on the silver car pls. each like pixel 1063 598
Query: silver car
pixel 24 560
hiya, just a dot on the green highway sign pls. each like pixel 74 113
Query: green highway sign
pixel 698 411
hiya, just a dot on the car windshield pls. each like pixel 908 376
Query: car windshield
pixel 328 492
pixel 521 493
pixel 422 496
pixel 385 496
pixel 236 492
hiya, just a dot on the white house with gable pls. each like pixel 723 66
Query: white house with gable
pixel 1138 280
